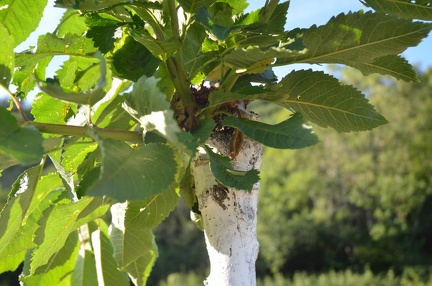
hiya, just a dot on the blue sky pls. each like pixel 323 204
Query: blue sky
pixel 301 14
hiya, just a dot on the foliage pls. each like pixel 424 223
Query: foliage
pixel 191 65
pixel 365 201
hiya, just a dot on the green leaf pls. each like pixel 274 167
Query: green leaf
pixel 323 100
pixel 139 270
pixel 49 109
pixel 50 45
pixel 18 222
pixel 192 6
pixel 289 134
pixel 6 161
pixel 61 265
pixel 193 59
pixel 53 89
pixel 134 174
pixel 221 32
pixel 277 20
pixel 22 143
pixel 21 17
pixel 419 9
pixel 227 176
pixel 358 37
pixel 72 22
pixel 237 5
pixel 133 60
pixel 129 242
pixel 393 65
pixel 85 272
pixel 7 60
pixel 320 98
pixel 146 97
pixel 204 130
pixel 102 28
pixel 131 232
pixel 89 5
pixel 57 227
pixel 152 211
pixel 160 49
pixel 74 155
pixel 106 265
pixel 111 115
pixel 33 64
pixel 152 110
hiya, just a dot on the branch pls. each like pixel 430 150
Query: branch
pixel 16 102
pixel 82 131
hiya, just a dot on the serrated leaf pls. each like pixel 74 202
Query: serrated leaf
pixel 237 5
pixel 203 131
pixel 22 143
pixel 133 60
pixel 227 176
pixel 134 174
pixel 323 100
pixel 72 22
pixel 292 133
pixel 111 115
pixel 88 5
pixel 74 155
pixel 139 270
pixel 393 65
pixel 50 45
pixel 152 211
pixel 84 272
pixel 7 60
pixel 53 89
pixel 419 9
pixel 18 222
pixel 221 32
pixel 161 49
pixel 106 266
pixel 57 227
pixel 193 60
pixel 49 109
pixel 21 17
pixel 277 20
pixel 146 97
pixel 129 242
pixel 60 267
pixel 358 37
pixel 152 110
pixel 192 6
pixel 102 28
pixel 320 98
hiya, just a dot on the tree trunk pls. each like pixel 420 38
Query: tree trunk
pixel 229 216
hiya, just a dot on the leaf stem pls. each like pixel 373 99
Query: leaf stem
pixel 83 131
pixel 16 102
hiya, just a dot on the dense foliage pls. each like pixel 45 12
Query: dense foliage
pixel 144 85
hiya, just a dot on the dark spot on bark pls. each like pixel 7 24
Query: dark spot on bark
pixel 220 194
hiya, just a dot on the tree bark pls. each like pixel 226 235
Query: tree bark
pixel 229 215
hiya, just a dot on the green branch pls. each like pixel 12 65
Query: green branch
pixel 83 131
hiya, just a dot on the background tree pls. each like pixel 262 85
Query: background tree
pixel 366 201
pixel 151 105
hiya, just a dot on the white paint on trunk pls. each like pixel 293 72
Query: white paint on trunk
pixel 229 216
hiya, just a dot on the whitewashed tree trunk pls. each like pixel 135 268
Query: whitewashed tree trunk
pixel 229 216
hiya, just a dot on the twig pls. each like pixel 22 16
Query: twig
pixel 16 102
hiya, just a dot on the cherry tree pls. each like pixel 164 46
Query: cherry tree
pixel 152 105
